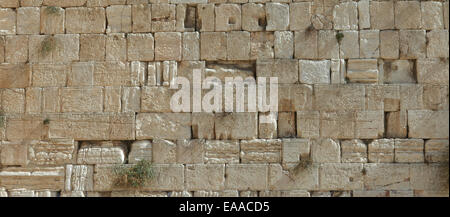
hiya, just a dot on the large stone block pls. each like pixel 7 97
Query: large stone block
pixel 13 153
pixel 383 97
pixel 286 124
pixel 228 17
pixel 52 20
pixel 436 151
pixel 7 21
pixel 190 151
pixel 140 47
pixel 213 46
pixel 220 151
pixel 156 99
pixel 85 20
pixel 92 47
pixel 427 124
pixel 435 97
pixel 295 150
pixel 236 126
pixel 353 151
pixel 205 176
pixel 345 176
pixel 205 17
pixel 284 44
pixel 396 124
pixel 54 152
pixel 387 176
pixel 253 17
pixel 294 97
pixel 362 71
pixel 79 178
pixel 432 71
pixel 16 49
pixel 28 20
pixel 246 176
pixel 140 150
pixel 338 97
pixel 348 47
pixel 381 151
pixel 345 16
pixel 306 44
pixel 64 3
pixel 389 44
pixel 437 44
pixel 301 177
pixel 429 177
pixel 325 151
pixel 191 46
pixel 116 47
pixel 382 15
pixel 369 43
pixel 308 124
pixel 261 151
pixel 163 17
pixel 407 15
pixel 432 15
pixel 164 151
pixel 328 46
pixel 82 99
pixel 412 44
pixel 101 153
pixel 314 72
pixel 118 18
pixel 238 45
pixel 168 46
pixel 141 15
pixel 13 100
pixel 300 15
pixel 277 16
pixel 284 69
pixel 261 46
pixel 409 150
pixel 48 178
pixel 163 126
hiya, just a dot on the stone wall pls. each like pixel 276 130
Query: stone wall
pixel 363 97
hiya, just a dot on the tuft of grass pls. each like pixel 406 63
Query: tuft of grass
pixel 135 176
pixel 48 45
pixel 46 121
pixel 2 119
pixel 339 36
pixel 51 10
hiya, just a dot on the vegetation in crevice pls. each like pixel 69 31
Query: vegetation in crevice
pixel 51 10
pixel 135 176
pixel 339 36
pixel 47 45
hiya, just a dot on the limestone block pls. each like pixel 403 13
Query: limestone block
pixel 28 20
pixel 336 97
pixel 328 46
pixel 261 46
pixel 46 178
pixel 48 75
pixel 112 99
pixel 224 69
pixel 284 44
pixel 185 17
pixel 314 72
pixel 369 42
pixel 396 124
pixel 13 154
pixel 221 151
pixel 205 176
pixel 13 100
pixel 253 17
pixel 163 17
pixel 362 71
pixel 100 154
pixel 140 47
pixel 260 151
pixel 294 150
pixel 7 21
pixel 277 16
pixel 345 176
pixel 325 151
pixel 345 16
pixel 446 12
pixel 92 47
pixel 412 44
pixel 437 43
pixel 427 124
pixel 30 3
pixel 206 17
pixel 398 71
pixel 140 150
pixel 156 99
pixel 382 15
pixel 82 100
pixel 409 150
pixel 308 124
pixel 53 152
pixel 2 49
pixel 213 46
pixel 168 46
pixel 300 15
pixel 10 3
pixel 226 193
pixel 407 15
pixel 228 17
pixel 348 47
pixel 79 178
pixel 164 151
pixel 384 176
pixel 112 74
pixel 300 177
pixel 294 97
pixel 432 15
pixel 57 48
pixel 191 46
pixel 436 151
pixel 22 192
pixel 286 124
pixel 435 97
pixel 432 71
pixel 284 69
pixel 163 126
pixel 306 44
pixel 381 151
pixel 429 177
pixel 246 176
pixel 389 44
pixel 190 151
pixel 168 177
pixel 85 20
pixel 33 98
pixel 339 124
pixel 364 14
pixel 238 45
pixel 116 47
pixel 430 193
pixel 203 125
pixel 369 124
pixel 118 18
pixel 51 100
pixel 93 126
pixel 267 128
pixel 16 50
pixel 354 151
pixel 236 126
pixel 411 97
pixel 64 3
pixel 52 20
pixel 141 15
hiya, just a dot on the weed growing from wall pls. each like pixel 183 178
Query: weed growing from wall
pixel 135 176
pixel 51 10
pixel 47 45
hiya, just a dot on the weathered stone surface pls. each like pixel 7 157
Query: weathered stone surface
pixel 348 47
pixel 306 45
pixel 382 15
pixel 437 44
pixel 300 15
pixel 286 124
pixel 381 151
pixel 9 3
pixel 327 45
pixel 236 126
pixel 205 176
pixel 228 17
pixel 206 17
pixel 116 47
pixel 253 17
pixel 156 99
pixel 203 125
pixel 64 3
pixel 298 178
pixel 140 150
pixel 13 154
pixel 82 100
pixel 314 72
pixel 387 176
pixel 407 15
pixel 246 176
pixel 432 71
pixel 220 151
pixel 141 15
pixel 436 151
pixel 7 21
pixel 92 47
pixel 190 151
pixel 339 124
pixel 308 124
pixel 50 75
pixel 362 71
pixel 48 178
pixel 261 46
pixel 53 152
pixel 140 47
pixel 277 16
pixel 28 20
pixel 389 44
pixel 168 46
pixel 429 177
pixel 427 124
pixel 432 15
pixel 345 16
pixel 339 97
pixel 52 20
pixel 13 101
pixel 409 150
pixel 325 151
pixel 285 70
pixel 364 14
pixel 398 71
pixel 412 44
pixel 396 124
pixel 164 151
pixel 435 97
pixel 16 49
pixel 284 44
pixel 261 151
pixel 411 97
pixel 294 150
pixel 85 20
pixel 79 178
pixel 383 97
pixel 163 126
pixel 118 18
pixel 353 151
pixel 191 46
pixel 267 127
pixel 163 17
pixel 213 46
pixel 238 45
pixel 345 176
pixel 294 97
pixel 100 154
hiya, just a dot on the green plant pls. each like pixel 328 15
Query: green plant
pixel 2 119
pixel 46 121
pixel 339 36
pixel 51 10
pixel 47 45
pixel 135 176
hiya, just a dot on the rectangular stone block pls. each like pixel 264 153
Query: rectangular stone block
pixel 213 46
pixel 20 126
pixel 277 16
pixel 435 97
pixel 236 126
pixel 116 47
pixel 299 178
pixel 294 97
pixel 432 15
pixel 337 97
pixel 13 100
pixel 141 15
pixel 85 20
pixel 427 124
pixel 238 45
pixel 412 44
pixel 369 43
pixel 82 99
pixel 118 18
pixel 409 150
pixel 387 176
pixel 286 124
pixel 16 50
pixel 364 14
pixel 191 46
pixel 79 178
pixel 261 151
pixel 267 127
pixel 285 70
pixel 284 44
pixel 8 21
pixel 140 47
pixel 345 16
pixel 429 177
pixel 33 99
pixel 369 124
pixel 190 151
pixel 253 17
pixel 340 124
pixel 436 151
pixel 381 151
pixel 48 178
pixel 398 71
pixel 205 176
pixel 261 46
pixel 228 17
pixel 28 20
pixel 163 17
pixel 54 152
pixel 314 72
pixel 325 151
pixel 64 3
pixel 354 151
pixel 92 47
pixel 437 44
pixel 246 176
pixel 221 151
pixel 389 44
pixel 308 124
pixel 407 15
pixel 432 71
pixel 13 153
pixel 306 45
pixel 328 46
pixel 295 150
pixel 362 70
pixel 163 126
pixel 300 15
pixel 52 20
pixel 396 124
pixel 205 17
pixel 382 15
pixel 345 176
pixel 156 99
pixel 348 47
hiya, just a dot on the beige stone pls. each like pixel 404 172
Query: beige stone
pixel 336 97
pixel 432 71
pixel 28 20
pixel 52 20
pixel 64 3
pixel 79 178
pixel 362 71
pixel 437 44
pixel 286 124
pixel 411 97
pixel 300 177
pixel 348 48
pixel 141 15
pixel 116 47
pixel 345 16
pixel 163 17
pixel 238 45
pixel 163 126
pixel 384 97
pixel 7 21
pixel 314 72
pixel 353 151
pixel 236 126
pixel 55 152
pixel 412 44
pixel 382 15
pixel 409 150
pixel 118 18
pixel 92 47
pixel 253 17
pixel 294 97
pixel 13 100
pixel 427 124
pixel 57 48
pixel 435 97
pixel 262 44
pixel 221 151
pixel 429 177
pixel 300 15
pixel 396 124
pixel 13 154
pixel 246 176
pixel 285 70
pixel 267 127
pixel 436 151
pixel 203 125
pixel 112 99
pixel 190 151
pixel 206 17
pixel 228 17
pixel 156 99
pixel 33 98
pixel 306 45
pixel 328 46
pixel 164 151
pixel 407 15
pixel 100 154
pixel 345 176
pixel 260 151
pixel 140 47
pixel 16 49
pixel 51 100
pixel 284 44
pixel 340 124
pixel 295 150
pixel 140 150
pixel 308 124
pixel 432 15
pixel 325 151
pixel 384 176
pixel 381 151
pixel 82 100
pixel 389 44
pixel 168 46
pixel 398 71
pixel 213 46
pixel 364 14
pixel 10 3
pixel 205 177
pixel 85 20
pixel 47 178
pixel 191 46
pixel 277 16
pixel 30 3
